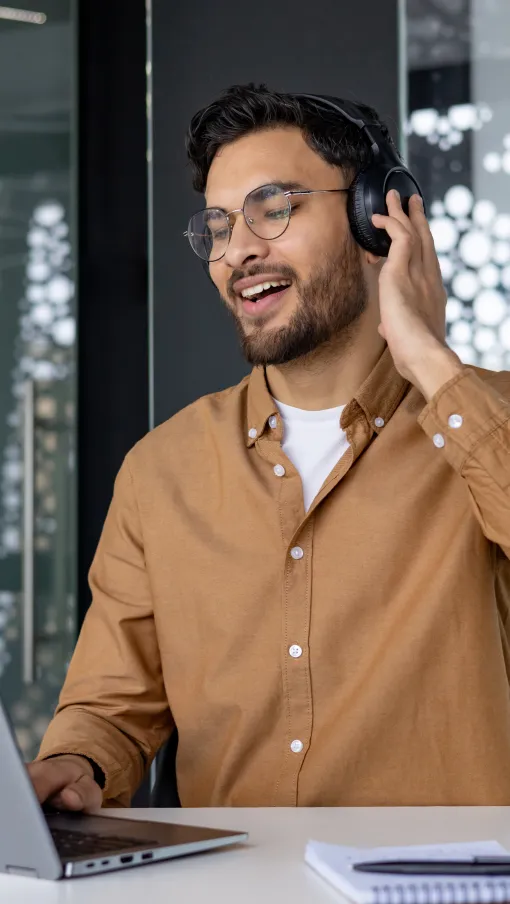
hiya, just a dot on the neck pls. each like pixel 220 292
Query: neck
pixel 327 377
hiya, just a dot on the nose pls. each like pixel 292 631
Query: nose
pixel 244 245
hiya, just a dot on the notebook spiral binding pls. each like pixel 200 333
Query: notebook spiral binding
pixel 473 892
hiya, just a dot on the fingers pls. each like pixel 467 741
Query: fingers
pixel 421 224
pixel 84 794
pixel 66 783
pixel 403 231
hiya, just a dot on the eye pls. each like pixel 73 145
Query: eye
pixel 219 235
pixel 280 213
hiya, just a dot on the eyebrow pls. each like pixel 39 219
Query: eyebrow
pixel 285 186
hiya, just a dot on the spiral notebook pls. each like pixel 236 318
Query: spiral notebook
pixel 333 862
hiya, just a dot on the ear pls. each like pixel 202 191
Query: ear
pixel 372 258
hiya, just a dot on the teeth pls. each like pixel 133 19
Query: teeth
pixel 262 287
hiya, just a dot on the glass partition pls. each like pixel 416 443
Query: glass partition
pixel 458 141
pixel 37 361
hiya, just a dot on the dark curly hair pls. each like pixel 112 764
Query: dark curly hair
pixel 242 109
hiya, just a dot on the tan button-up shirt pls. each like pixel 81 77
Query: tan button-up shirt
pixel 357 654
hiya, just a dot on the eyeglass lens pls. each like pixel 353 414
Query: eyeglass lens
pixel 266 211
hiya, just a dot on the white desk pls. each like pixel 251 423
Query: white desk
pixel 270 868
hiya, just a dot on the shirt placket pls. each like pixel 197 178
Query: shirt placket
pixel 297 530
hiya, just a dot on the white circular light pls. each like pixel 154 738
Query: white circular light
pixel 492 162
pixel 489 276
pixel 11 539
pixel 42 314
pixel 446 266
pixel 43 370
pixel 504 333
pixel 36 293
pixel 501 226
pixel 501 252
pixel 455 137
pixel 461 331
pixel 453 310
pixel 505 161
pixel 463 116
pixel 36 237
pixel 437 208
pixel 484 212
pixel 490 307
pixel 458 201
pixel 484 339
pixel 60 289
pixel 475 248
pixel 465 285
pixel 38 272
pixel 423 122
pixel 444 233
pixel 485 113
pixel 49 214
pixel 443 125
pixel 64 331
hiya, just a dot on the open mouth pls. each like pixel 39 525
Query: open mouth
pixel 263 295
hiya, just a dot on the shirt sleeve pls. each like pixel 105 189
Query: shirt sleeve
pixel 113 707
pixel 468 420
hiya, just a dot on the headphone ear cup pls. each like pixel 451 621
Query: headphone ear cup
pixel 365 233
pixel 368 196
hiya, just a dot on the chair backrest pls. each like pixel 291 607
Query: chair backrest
pixel 165 792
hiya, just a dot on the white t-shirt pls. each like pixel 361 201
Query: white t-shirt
pixel 314 442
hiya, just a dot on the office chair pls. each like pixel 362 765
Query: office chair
pixel 165 792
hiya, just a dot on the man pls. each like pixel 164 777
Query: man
pixel 308 574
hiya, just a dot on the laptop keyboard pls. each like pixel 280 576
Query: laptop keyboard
pixel 71 844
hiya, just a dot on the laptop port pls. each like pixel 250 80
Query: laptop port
pixel 148 856
pixel 90 865
pixel 127 858
pixel 104 862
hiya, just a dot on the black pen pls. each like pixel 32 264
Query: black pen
pixel 485 866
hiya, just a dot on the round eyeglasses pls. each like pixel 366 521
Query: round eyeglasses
pixel 266 211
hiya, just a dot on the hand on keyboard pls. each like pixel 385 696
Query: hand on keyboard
pixel 66 782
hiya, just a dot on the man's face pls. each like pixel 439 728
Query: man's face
pixel 317 252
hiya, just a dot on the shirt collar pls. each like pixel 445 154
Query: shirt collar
pixel 378 397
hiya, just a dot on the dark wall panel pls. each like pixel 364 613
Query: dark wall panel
pixel 330 46
pixel 113 410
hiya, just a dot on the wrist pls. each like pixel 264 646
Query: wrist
pixel 435 368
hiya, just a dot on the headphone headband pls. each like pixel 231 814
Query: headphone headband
pixel 379 144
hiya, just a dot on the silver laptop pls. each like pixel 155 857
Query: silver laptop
pixel 61 845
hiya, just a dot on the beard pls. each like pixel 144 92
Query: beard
pixel 329 306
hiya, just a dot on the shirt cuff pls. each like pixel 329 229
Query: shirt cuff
pixel 463 417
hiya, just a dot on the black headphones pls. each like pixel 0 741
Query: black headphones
pixel 367 194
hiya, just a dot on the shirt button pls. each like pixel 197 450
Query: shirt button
pixel 273 421
pixel 279 470
pixel 438 440
pixel 296 552
pixel 252 432
pixel 379 422
pixel 295 651
pixel 296 746
pixel 455 420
